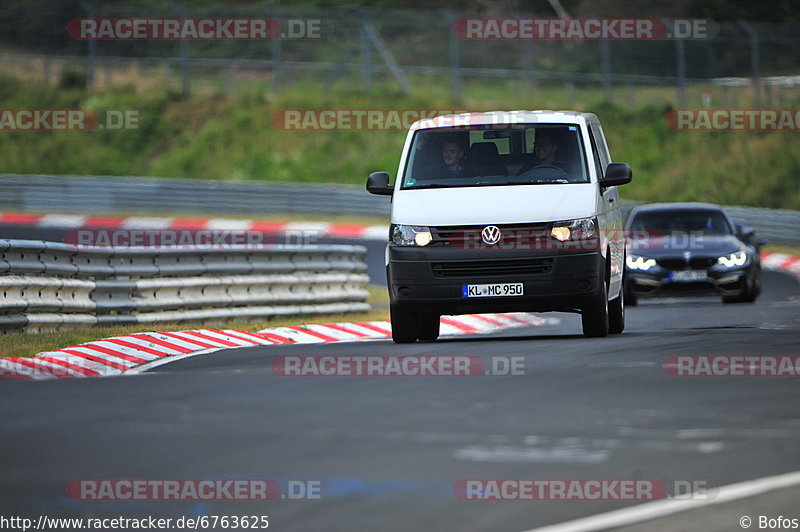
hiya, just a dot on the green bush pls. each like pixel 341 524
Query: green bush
pixel 73 78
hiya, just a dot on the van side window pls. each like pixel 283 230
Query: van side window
pixel 602 149
pixel 597 164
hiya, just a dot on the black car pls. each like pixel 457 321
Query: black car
pixel 690 248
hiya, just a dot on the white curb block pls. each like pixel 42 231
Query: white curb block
pixel 122 354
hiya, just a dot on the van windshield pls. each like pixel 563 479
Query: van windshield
pixel 492 155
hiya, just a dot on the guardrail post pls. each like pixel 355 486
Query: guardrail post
pixel 47 70
pixel 680 57
pixel 605 51
pixel 754 60
pixel 569 89
pixel 91 64
pixel 455 57
pixel 277 58
pixel 277 48
pixel 631 95
pixel 183 46
pixel 527 63
pixel 366 55
pixel 229 79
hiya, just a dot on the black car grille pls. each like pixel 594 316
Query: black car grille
pixel 672 264
pixel 467 269
pixel 694 263
pixel 468 235
pixel 700 263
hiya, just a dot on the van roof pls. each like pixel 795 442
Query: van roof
pixel 520 116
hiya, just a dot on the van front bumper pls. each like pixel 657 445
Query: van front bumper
pixel 432 279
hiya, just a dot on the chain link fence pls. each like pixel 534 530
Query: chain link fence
pixel 369 49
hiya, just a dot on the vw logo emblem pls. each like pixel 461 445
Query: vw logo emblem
pixel 491 234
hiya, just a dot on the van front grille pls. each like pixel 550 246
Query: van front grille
pixel 493 268
pixel 470 235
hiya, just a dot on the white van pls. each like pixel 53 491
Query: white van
pixel 501 212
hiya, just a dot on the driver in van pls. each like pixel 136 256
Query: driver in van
pixel 545 151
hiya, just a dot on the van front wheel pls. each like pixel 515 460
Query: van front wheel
pixel 404 325
pixel 594 316
pixel 616 313
pixel 428 326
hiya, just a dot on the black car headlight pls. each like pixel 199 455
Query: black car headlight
pixel 733 260
pixel 639 263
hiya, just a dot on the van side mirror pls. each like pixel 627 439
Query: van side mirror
pixel 617 174
pixel 378 183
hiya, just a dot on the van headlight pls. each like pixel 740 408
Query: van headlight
pixel 639 263
pixel 580 229
pixel 734 259
pixel 411 235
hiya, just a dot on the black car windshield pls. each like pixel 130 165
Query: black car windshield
pixel 682 221
pixel 496 155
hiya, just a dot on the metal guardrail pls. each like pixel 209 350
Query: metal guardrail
pixel 112 286
pixel 777 226
pixel 105 194
pixel 56 258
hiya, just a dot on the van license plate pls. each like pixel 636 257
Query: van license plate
pixel 491 290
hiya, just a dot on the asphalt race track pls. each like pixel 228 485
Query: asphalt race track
pixel 388 450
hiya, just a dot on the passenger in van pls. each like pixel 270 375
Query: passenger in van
pixel 451 164
pixel 545 152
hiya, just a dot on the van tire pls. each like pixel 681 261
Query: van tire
pixel 616 313
pixel 404 325
pixel 594 316
pixel 427 326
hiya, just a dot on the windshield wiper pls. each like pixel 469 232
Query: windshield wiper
pixel 536 182
pixel 427 185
